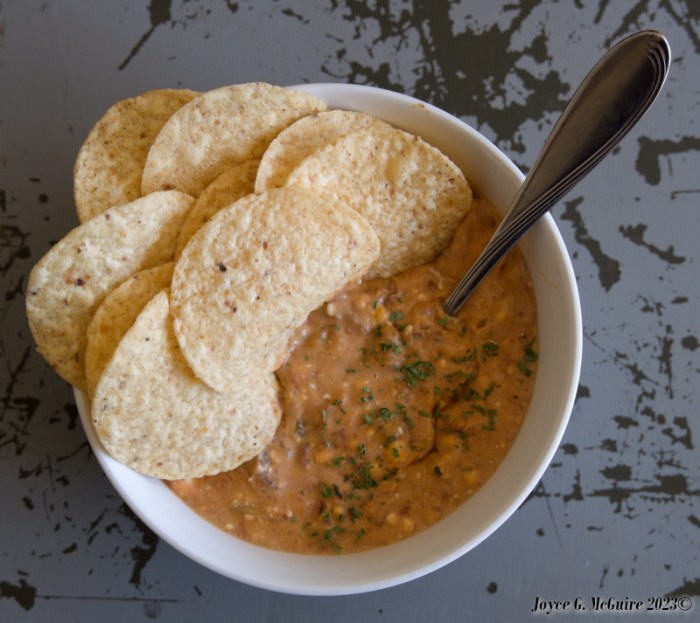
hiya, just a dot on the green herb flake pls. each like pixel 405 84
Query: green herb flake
pixel 396 315
pixel 354 513
pixel 338 403
pixel 491 415
pixel 489 348
pixel 470 355
pixel 416 371
pixel 390 473
pixel 392 346
pixel 367 395
pixel 362 478
pixel 529 356
pixel 529 353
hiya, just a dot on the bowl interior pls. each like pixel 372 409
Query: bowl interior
pixel 496 178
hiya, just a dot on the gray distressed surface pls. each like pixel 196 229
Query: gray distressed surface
pixel 615 514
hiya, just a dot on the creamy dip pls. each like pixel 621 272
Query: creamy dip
pixel 394 413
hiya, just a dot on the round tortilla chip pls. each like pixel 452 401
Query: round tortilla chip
pixel 71 280
pixel 152 414
pixel 411 193
pixel 115 315
pixel 230 186
pixel 108 169
pixel 252 275
pixel 303 138
pixel 219 129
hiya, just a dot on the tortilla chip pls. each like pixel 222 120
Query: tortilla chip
pixel 115 315
pixel 303 138
pixel 110 163
pixel 230 186
pixel 152 414
pixel 71 280
pixel 218 130
pixel 251 275
pixel 411 193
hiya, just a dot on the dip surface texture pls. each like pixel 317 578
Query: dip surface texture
pixel 394 413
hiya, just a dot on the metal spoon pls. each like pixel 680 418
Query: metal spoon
pixel 607 104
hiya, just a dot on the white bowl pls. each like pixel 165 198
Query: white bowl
pixel 560 337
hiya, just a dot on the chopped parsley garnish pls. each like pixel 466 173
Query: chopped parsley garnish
pixel 327 491
pixel 367 395
pixel 384 413
pixel 470 355
pixel 416 371
pixel 490 414
pixel 361 478
pixel 338 403
pixel 489 348
pixel 396 315
pixel 393 346
pixel 529 356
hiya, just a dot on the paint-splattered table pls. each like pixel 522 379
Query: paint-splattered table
pixel 615 515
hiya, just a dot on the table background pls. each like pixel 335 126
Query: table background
pixel 615 515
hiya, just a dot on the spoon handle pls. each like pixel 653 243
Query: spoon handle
pixel 608 103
